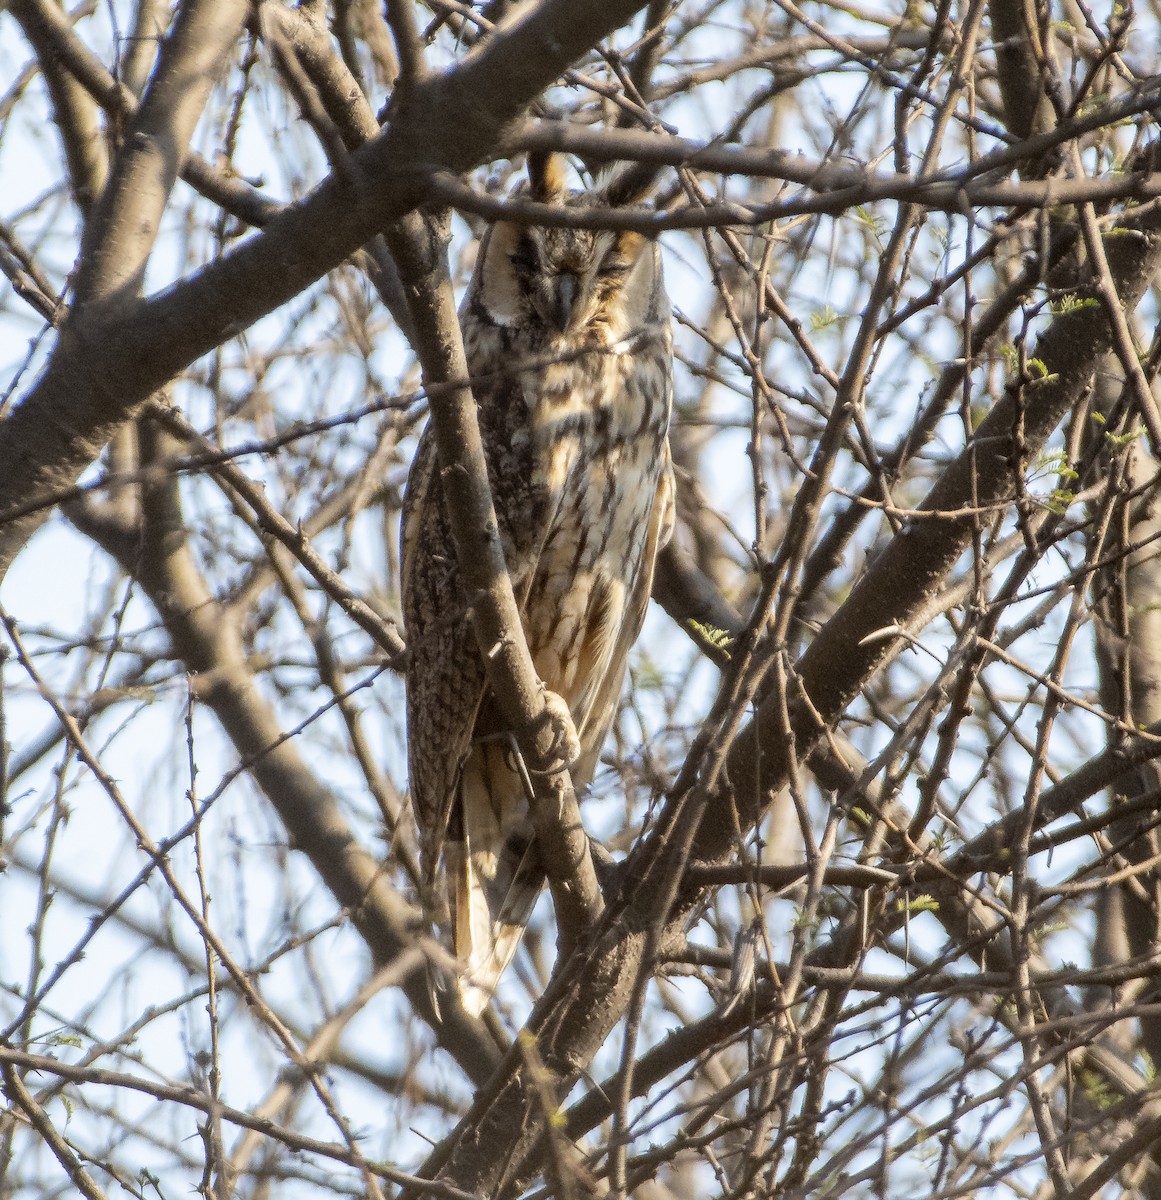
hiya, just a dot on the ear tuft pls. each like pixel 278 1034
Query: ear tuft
pixel 631 184
pixel 546 176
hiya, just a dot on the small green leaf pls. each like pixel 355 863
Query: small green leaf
pixel 876 224
pixel 823 318
pixel 1070 302
pixel 1058 501
pixel 713 636
pixel 1097 1089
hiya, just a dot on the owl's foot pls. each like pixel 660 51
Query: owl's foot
pixel 566 748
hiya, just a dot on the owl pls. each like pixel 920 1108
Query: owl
pixel 568 341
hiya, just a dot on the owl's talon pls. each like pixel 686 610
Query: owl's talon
pixel 566 747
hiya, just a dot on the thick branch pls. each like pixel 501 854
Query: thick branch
pixel 833 190
pixel 1020 68
pixel 634 145
pixel 82 139
pixel 125 225
pixel 47 27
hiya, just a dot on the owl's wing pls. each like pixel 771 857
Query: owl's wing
pixel 446 679
pixel 604 705
pixel 445 675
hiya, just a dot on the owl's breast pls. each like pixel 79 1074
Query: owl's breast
pixel 600 451
pixel 576 440
pixel 599 423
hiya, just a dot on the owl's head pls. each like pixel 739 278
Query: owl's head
pixel 570 282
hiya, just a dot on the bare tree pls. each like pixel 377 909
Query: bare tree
pixel 867 897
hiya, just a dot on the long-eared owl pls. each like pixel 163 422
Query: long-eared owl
pixel 568 340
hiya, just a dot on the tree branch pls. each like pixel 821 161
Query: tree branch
pixel 119 238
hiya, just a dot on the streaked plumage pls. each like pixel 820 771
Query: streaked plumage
pixel 568 340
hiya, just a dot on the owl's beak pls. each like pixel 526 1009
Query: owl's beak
pixel 562 302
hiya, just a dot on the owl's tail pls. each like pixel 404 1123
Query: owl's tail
pixel 494 875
